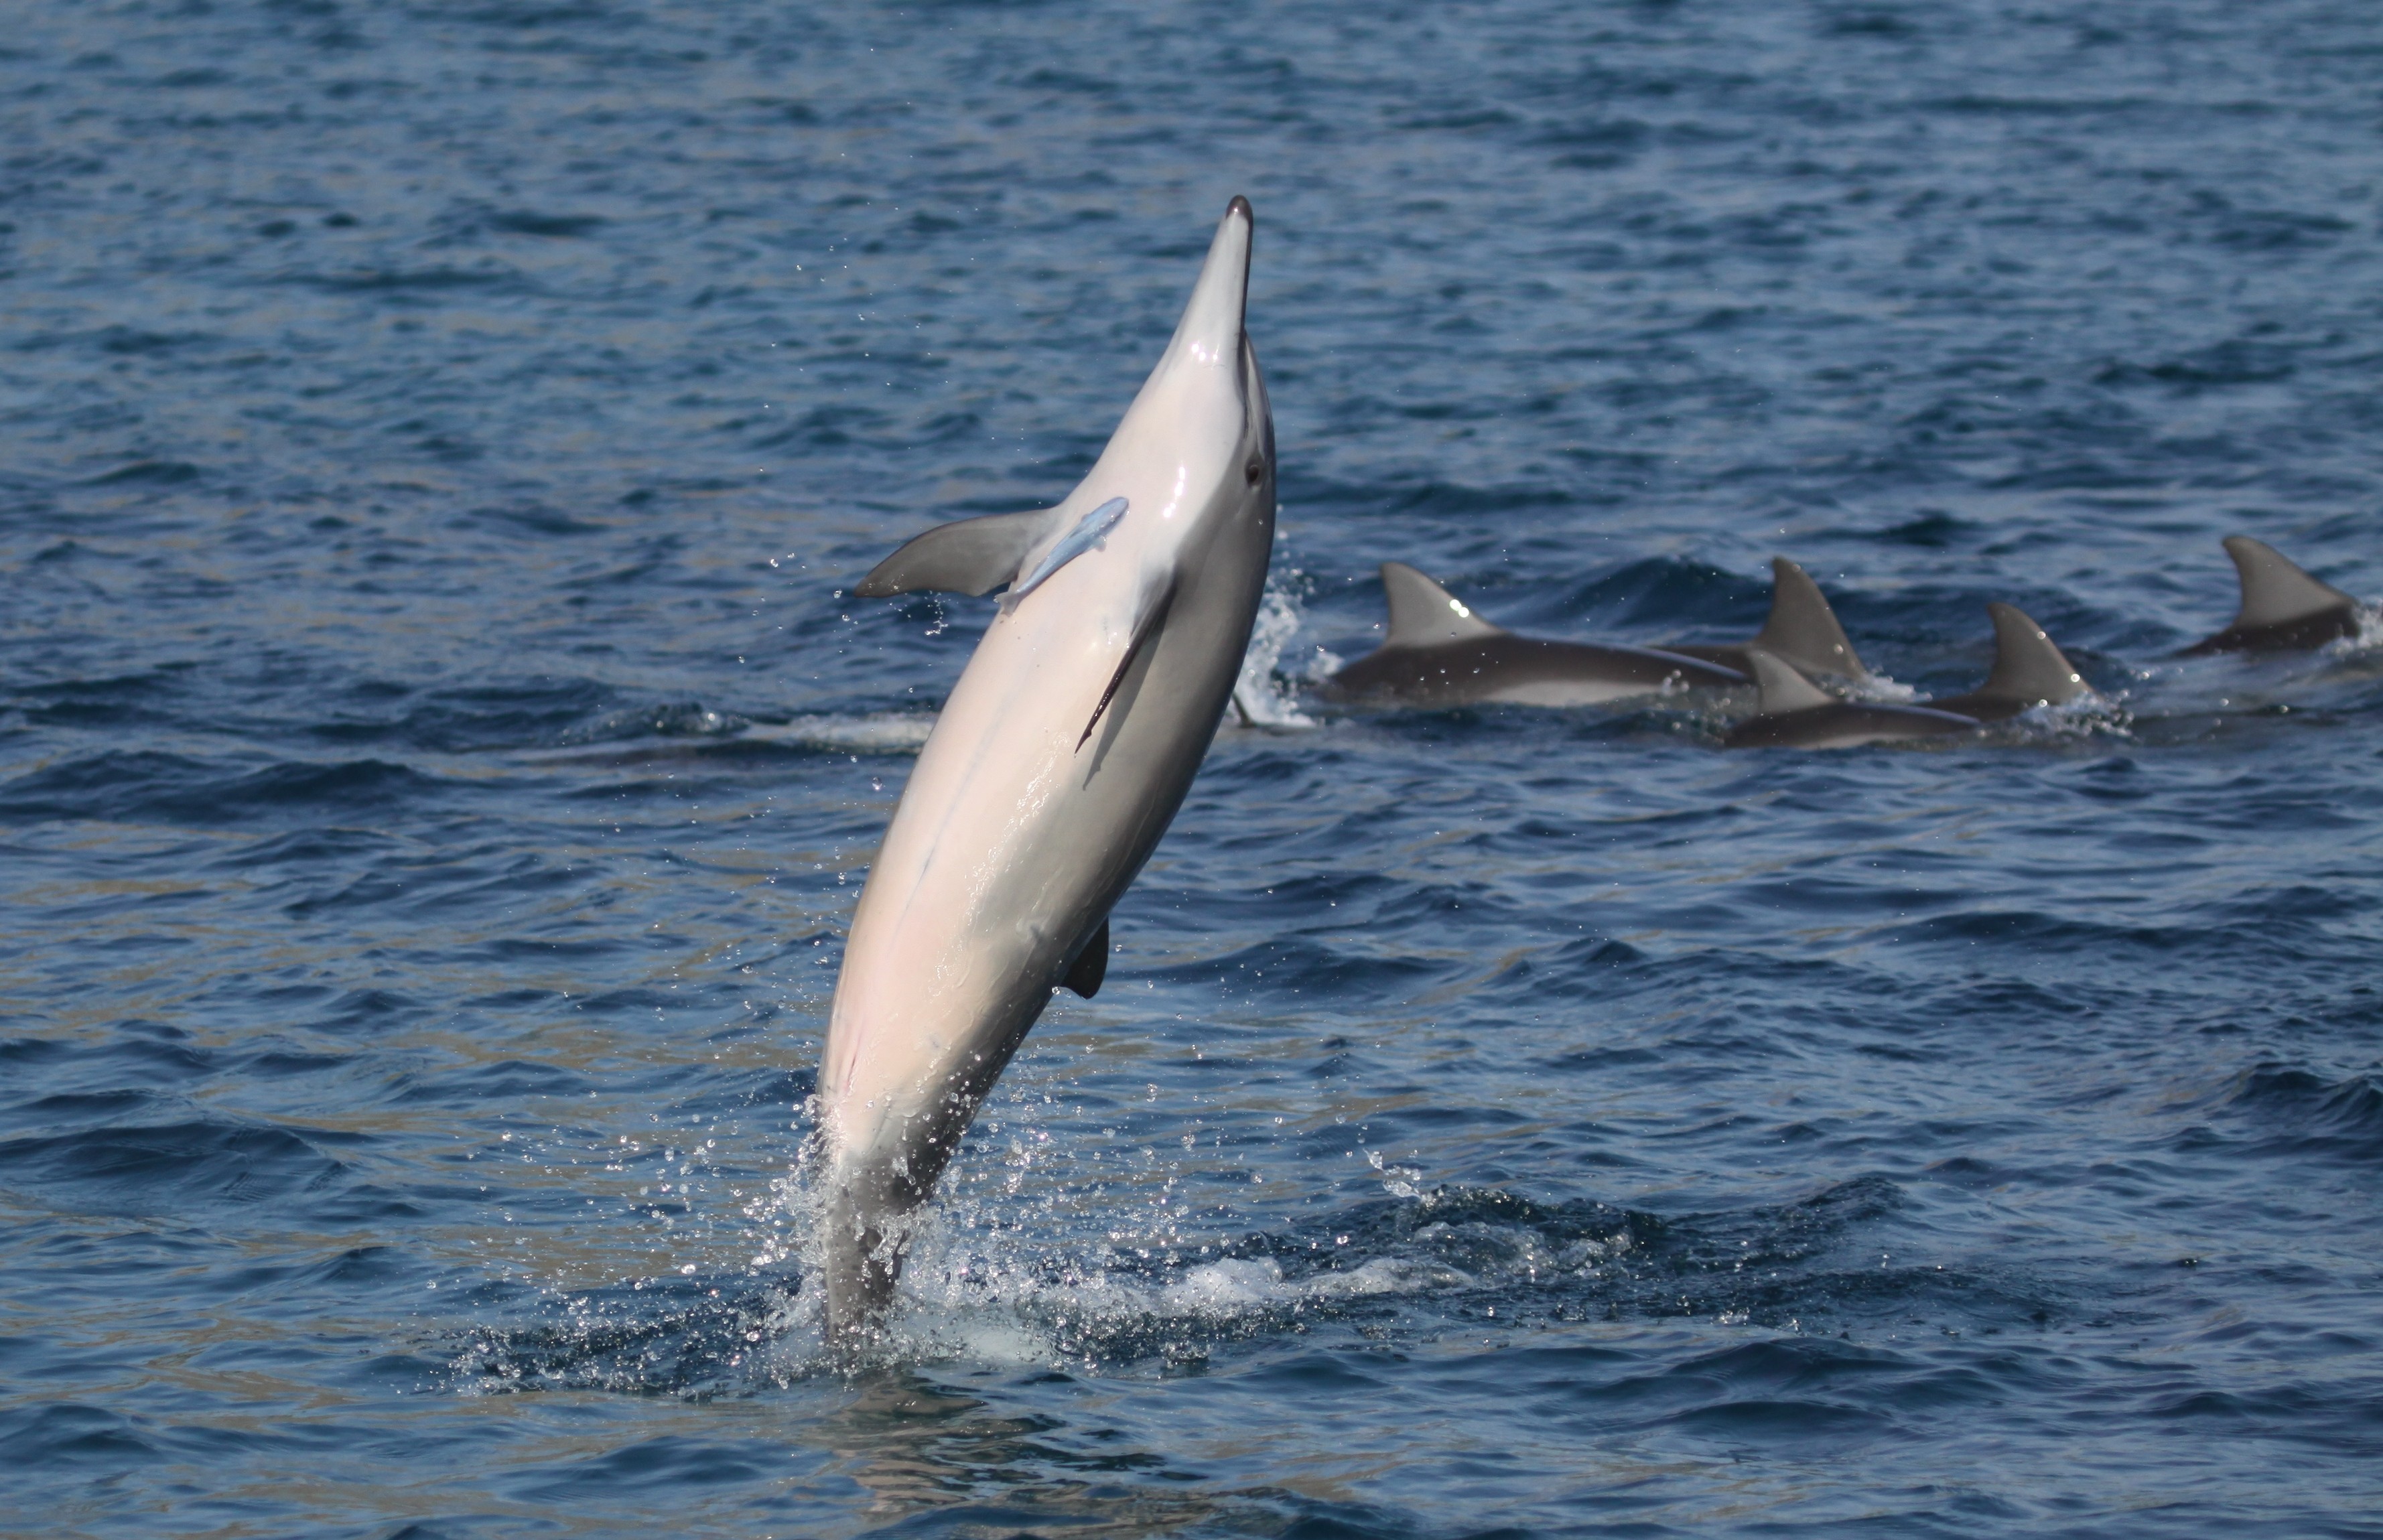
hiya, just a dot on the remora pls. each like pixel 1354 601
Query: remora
pixel 1058 761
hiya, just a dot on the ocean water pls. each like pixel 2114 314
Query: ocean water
pixel 439 760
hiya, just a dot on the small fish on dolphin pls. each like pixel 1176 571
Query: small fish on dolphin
pixel 2029 670
pixel 1801 631
pixel 1796 713
pixel 2284 610
pixel 1061 758
pixel 1439 653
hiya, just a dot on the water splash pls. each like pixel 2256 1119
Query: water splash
pixel 1267 695
pixel 875 733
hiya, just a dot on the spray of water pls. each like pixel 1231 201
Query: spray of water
pixel 1267 695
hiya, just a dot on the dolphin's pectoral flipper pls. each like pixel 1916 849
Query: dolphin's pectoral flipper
pixel 1090 531
pixel 1092 964
pixel 973 556
pixel 1153 617
pixel 1424 614
pixel 1802 629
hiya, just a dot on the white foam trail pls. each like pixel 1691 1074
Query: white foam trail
pixel 1882 688
pixel 877 733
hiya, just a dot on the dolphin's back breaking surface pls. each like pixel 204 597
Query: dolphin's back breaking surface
pixel 1058 761
pixel 2284 610
pixel 1796 713
pixel 1438 653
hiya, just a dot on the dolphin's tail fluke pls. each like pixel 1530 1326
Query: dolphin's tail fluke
pixel 1802 630
pixel 2029 668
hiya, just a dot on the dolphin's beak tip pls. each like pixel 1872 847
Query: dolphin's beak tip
pixel 1241 205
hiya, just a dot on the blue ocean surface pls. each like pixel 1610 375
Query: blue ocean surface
pixel 438 760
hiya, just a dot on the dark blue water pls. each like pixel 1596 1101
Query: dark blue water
pixel 437 766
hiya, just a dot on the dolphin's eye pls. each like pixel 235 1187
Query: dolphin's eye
pixel 1255 470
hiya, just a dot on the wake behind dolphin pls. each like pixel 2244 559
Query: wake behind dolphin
pixel 1058 761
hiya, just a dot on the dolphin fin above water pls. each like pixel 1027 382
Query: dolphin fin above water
pixel 1424 614
pixel 1801 631
pixel 1779 689
pixel 1796 713
pixel 1438 653
pixel 2284 610
pixel 2030 670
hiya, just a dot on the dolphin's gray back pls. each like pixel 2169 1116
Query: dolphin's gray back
pixel 1520 669
pixel 1844 724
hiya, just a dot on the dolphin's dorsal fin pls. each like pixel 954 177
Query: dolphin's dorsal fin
pixel 2027 665
pixel 1784 689
pixel 1802 629
pixel 1092 964
pixel 973 556
pixel 1424 614
pixel 2274 591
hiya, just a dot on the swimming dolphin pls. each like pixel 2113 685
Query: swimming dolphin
pixel 1058 761
pixel 1440 653
pixel 2284 610
pixel 2029 671
pixel 1796 713
pixel 1801 631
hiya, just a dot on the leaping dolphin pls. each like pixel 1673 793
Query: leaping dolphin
pixel 1439 653
pixel 2029 671
pixel 1058 761
pixel 1796 713
pixel 2284 610
pixel 1801 631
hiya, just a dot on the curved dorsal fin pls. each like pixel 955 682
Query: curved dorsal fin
pixel 1803 630
pixel 1784 689
pixel 1424 614
pixel 2027 665
pixel 2274 591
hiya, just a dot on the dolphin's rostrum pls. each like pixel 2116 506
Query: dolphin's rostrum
pixel 1053 769
pixel 1439 653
